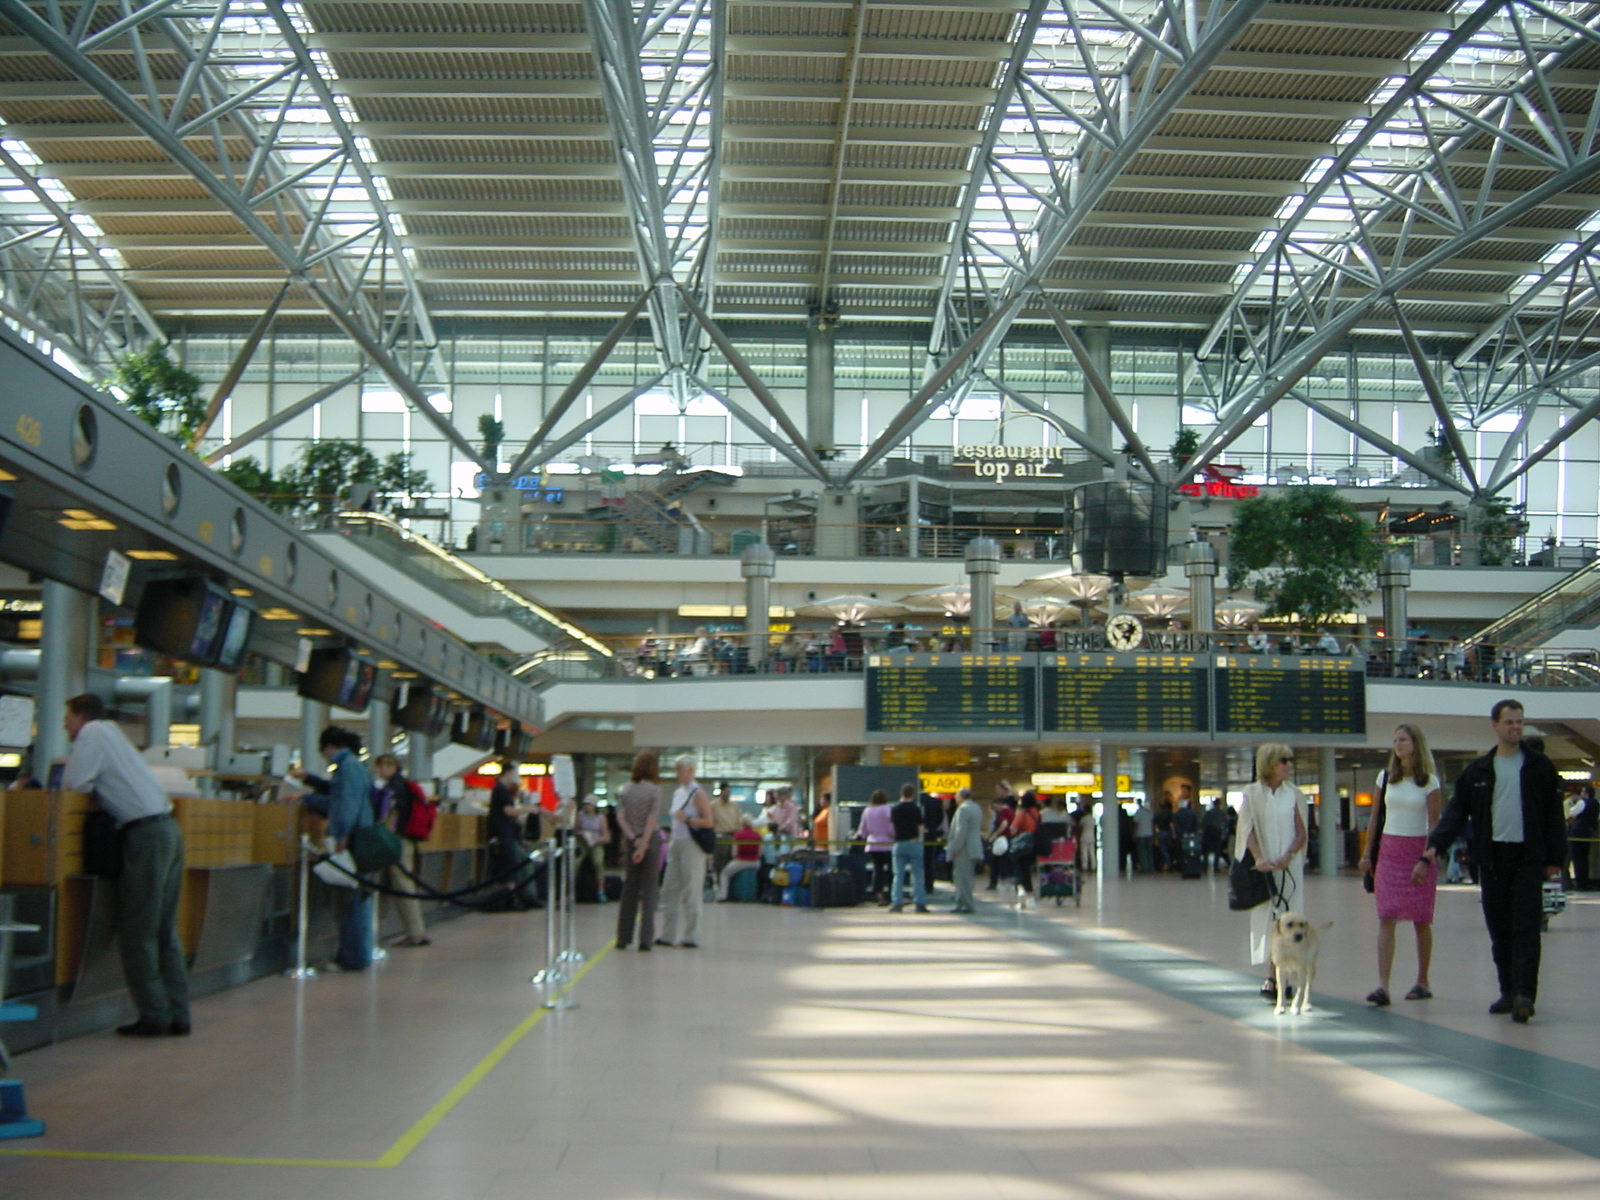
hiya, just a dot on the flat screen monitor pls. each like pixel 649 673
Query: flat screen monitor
pixel 339 677
pixel 235 637
pixel 185 618
pixel 473 729
pixel 412 706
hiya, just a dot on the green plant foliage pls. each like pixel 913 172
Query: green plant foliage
pixel 160 392
pixel 398 481
pixel 1497 524
pixel 1306 551
pixel 321 479
pixel 1184 446
pixel 250 476
pixel 493 432
pixel 318 484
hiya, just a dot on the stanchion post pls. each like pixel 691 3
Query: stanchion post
pixel 379 954
pixel 303 918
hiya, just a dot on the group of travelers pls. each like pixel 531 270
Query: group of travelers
pixel 1507 805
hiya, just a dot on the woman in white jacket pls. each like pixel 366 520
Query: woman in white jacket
pixel 1272 826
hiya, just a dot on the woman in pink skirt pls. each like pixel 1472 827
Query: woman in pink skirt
pixel 1406 809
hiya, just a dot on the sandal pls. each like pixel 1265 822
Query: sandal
pixel 1379 997
pixel 1419 993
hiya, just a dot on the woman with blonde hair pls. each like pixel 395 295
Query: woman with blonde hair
pixel 1272 826
pixel 1406 808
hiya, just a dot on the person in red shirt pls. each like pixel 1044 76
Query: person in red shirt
pixel 746 855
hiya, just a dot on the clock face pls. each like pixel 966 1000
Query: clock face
pixel 1124 631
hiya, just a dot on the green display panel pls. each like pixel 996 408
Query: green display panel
pixel 1294 696
pixel 1124 693
pixel 976 695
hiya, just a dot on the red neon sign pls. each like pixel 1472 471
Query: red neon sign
pixel 1216 487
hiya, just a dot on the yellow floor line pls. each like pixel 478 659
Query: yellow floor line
pixel 392 1157
pixel 408 1141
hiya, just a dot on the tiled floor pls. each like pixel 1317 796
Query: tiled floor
pixel 1070 1055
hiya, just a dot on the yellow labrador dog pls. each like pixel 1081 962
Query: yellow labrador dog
pixel 1293 946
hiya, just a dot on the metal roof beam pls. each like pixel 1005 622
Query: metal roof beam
pixel 1125 117
pixel 341 282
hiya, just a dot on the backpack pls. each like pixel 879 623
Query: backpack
pixel 420 815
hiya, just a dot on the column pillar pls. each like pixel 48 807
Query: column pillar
pixel 1200 565
pixel 377 726
pixel 1110 859
pixel 820 403
pixel 1394 580
pixel 1096 420
pixel 420 766
pixel 218 692
pixel 758 564
pixel 156 691
pixel 1328 812
pixel 913 517
pixel 313 720
pixel 983 564
pixel 63 667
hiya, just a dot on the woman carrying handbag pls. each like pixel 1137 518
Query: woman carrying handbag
pixel 1272 829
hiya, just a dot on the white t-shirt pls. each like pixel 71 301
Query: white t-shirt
pixel 1405 805
pixel 1508 797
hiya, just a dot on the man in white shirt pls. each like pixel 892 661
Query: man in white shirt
pixel 103 762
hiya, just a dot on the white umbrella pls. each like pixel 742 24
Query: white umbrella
pixel 1158 601
pixel 1047 610
pixel 1072 584
pixel 851 609
pixel 955 600
pixel 1238 612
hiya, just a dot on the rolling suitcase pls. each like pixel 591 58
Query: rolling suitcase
pixel 743 887
pixel 834 889
pixel 1191 863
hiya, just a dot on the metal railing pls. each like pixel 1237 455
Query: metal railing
pixel 846 651
pixel 468 588
pixel 1574 601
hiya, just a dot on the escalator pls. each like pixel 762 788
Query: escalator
pixel 1573 602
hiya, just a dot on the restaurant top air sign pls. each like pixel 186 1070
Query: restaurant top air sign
pixel 1001 463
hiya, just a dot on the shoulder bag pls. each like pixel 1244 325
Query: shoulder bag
pixel 1247 887
pixel 1369 881
pixel 703 837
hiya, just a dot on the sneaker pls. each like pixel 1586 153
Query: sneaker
pixel 922 908
pixel 897 908
pixel 1500 1007
pixel 1522 1010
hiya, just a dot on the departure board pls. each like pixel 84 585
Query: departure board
pixel 980 695
pixel 1125 693
pixel 1297 696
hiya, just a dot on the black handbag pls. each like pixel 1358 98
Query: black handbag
pixel 102 844
pixel 1369 881
pixel 1247 887
pixel 706 839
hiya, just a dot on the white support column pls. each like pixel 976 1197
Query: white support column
pixel 313 720
pixel 420 768
pixel 1110 859
pixel 63 667
pixel 1328 813
pixel 217 696
pixel 983 564
pixel 377 727
pixel 819 382
pixel 1200 565
pixel 758 565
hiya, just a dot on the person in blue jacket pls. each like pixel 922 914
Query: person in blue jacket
pixel 345 798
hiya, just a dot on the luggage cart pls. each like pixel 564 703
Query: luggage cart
pixel 1059 877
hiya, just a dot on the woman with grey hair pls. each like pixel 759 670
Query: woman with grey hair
pixel 684 889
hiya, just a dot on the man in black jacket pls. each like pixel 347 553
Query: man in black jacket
pixel 1511 800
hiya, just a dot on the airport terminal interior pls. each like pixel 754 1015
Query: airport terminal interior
pixel 498 496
